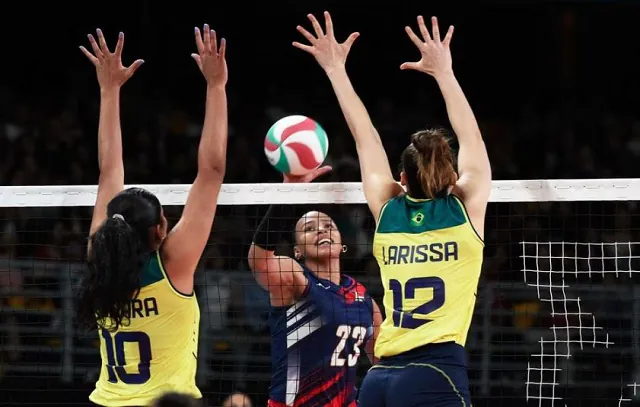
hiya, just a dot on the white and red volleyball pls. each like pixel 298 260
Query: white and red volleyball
pixel 296 145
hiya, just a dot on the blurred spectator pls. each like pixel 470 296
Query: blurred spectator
pixel 176 400
pixel 237 400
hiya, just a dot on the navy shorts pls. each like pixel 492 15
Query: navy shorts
pixel 430 376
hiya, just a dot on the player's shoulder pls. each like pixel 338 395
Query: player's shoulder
pixel 351 284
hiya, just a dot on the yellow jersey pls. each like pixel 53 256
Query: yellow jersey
pixel 430 259
pixel 157 351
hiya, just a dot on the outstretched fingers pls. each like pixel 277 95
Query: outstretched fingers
pixel 102 42
pixel 206 33
pixel 318 172
pixel 214 42
pixel 222 51
pixel 306 48
pixel 410 65
pixel 119 45
pixel 316 25
pixel 350 40
pixel 134 67
pixel 306 34
pixel 413 37
pixel 435 29
pixel 199 42
pixel 96 49
pixel 447 38
pixel 198 60
pixel 89 55
pixel 423 29
pixel 328 23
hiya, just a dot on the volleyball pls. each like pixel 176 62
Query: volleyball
pixel 296 145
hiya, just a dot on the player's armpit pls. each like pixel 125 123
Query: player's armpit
pixel 378 190
pixel 377 179
pixel 280 275
pixel 184 245
pixel 474 185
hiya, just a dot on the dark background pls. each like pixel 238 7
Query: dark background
pixel 554 87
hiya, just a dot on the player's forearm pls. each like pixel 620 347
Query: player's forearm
pixel 354 111
pixel 212 152
pixel 460 114
pixel 110 134
pixel 271 229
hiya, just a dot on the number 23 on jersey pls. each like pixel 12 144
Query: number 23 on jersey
pixel 344 332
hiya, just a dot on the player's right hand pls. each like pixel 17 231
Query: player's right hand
pixel 329 53
pixel 435 55
pixel 211 58
pixel 301 179
pixel 111 73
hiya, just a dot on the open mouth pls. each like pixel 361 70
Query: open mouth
pixel 325 242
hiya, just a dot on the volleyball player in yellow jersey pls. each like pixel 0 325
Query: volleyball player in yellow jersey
pixel 138 289
pixel 428 245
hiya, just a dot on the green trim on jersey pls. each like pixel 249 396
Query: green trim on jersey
pixel 404 214
pixel 151 272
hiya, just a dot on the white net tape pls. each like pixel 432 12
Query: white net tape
pixel 327 193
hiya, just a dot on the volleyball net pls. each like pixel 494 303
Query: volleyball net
pixel 557 319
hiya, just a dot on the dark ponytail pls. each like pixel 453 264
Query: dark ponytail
pixel 118 251
pixel 429 164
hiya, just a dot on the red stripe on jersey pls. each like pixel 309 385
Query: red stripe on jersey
pixel 339 399
pixel 314 392
pixel 309 395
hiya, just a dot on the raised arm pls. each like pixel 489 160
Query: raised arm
pixel 111 76
pixel 474 169
pixel 184 245
pixel 280 275
pixel 379 185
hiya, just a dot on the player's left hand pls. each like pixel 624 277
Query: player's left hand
pixel 109 69
pixel 211 58
pixel 290 179
pixel 435 54
pixel 329 53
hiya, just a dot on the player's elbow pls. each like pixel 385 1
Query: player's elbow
pixel 266 269
pixel 212 171
pixel 112 173
pixel 253 259
pixel 211 165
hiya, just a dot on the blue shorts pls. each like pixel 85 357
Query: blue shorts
pixel 430 376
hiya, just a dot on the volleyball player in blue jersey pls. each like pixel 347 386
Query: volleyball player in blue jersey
pixel 320 319
pixel 428 241
pixel 137 290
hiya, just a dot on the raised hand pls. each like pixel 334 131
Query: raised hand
pixel 435 54
pixel 111 73
pixel 211 58
pixel 329 53
pixel 308 177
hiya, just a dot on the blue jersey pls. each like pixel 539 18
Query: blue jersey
pixel 316 343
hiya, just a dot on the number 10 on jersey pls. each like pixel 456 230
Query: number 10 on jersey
pixel 116 360
pixel 405 319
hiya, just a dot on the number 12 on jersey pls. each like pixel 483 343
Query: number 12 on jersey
pixel 116 360
pixel 406 320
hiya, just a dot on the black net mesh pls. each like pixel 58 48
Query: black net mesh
pixel 556 321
